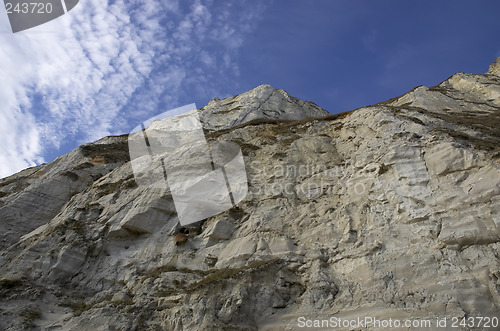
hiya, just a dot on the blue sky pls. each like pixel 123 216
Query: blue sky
pixel 108 65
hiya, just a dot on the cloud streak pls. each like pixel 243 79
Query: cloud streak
pixel 106 66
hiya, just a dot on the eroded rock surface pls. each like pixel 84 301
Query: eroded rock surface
pixel 389 211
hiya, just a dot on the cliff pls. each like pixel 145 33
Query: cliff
pixel 387 211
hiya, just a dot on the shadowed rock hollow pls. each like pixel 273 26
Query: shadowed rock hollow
pixel 388 211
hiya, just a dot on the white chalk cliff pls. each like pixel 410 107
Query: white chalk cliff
pixel 388 211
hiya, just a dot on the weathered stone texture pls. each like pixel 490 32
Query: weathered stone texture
pixel 389 211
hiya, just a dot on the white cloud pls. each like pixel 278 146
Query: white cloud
pixel 102 68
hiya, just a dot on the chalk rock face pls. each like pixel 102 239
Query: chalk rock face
pixel 495 68
pixel 262 103
pixel 391 211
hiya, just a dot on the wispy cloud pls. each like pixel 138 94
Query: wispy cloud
pixel 106 66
